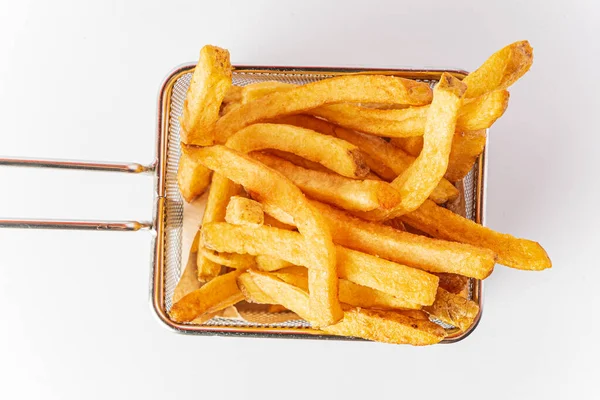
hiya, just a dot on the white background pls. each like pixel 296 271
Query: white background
pixel 80 80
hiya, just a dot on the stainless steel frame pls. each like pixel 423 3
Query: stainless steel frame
pixel 159 225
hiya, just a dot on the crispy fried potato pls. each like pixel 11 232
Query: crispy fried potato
pixel 273 189
pixel 268 264
pixel 220 192
pixel 300 161
pixel 483 111
pixel 215 295
pixel 410 284
pixel 405 248
pixel 251 291
pixel 478 113
pixel 387 123
pixel 244 211
pixel 260 89
pixel 501 70
pixel 512 252
pixel 466 148
pixel 453 309
pixel 374 147
pixel 331 188
pixel 411 145
pixel 350 292
pixel 192 178
pixel 234 94
pixel 333 153
pixel 422 177
pixel 349 88
pixel 275 223
pixel 210 83
pixel 454 283
pixel 382 326
pixel 231 260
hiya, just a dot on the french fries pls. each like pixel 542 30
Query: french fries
pixel 333 153
pixel 210 83
pixel 454 283
pixel 219 194
pixel 501 70
pixel 512 252
pixel 350 292
pixel 407 283
pixel 274 189
pixel 453 309
pixel 192 178
pixel 231 260
pixel 349 194
pixel 378 149
pixel 386 151
pixel 405 248
pixel 244 211
pixel 465 150
pixel 384 326
pixel 373 88
pixel 421 178
pixel 215 295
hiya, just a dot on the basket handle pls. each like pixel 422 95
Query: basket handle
pixel 66 224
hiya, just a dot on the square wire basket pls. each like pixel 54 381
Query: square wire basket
pixel 168 221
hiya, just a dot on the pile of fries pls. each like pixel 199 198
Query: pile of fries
pixel 327 199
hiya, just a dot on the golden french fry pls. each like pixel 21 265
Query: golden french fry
pixel 350 292
pixel 244 211
pixel 483 111
pixel 331 188
pixel 349 88
pixel 251 291
pixel 215 295
pixel 219 194
pixel 210 83
pixel 405 248
pixel 512 252
pixel 333 153
pixel 231 260
pixel 465 150
pixel 275 223
pixel 268 264
pixel 273 189
pixel 454 283
pixel 410 284
pixel 478 113
pixel 374 147
pixel 192 178
pixel 300 161
pixel 234 94
pixel 501 70
pixel 453 309
pixel 260 89
pixel 411 145
pixel 382 326
pixel 387 123
pixel 421 178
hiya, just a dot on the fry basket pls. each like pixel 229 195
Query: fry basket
pixel 167 219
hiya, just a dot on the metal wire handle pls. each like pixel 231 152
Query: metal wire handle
pixel 134 168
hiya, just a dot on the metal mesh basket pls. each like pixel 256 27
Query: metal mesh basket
pixel 174 211
pixel 167 221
